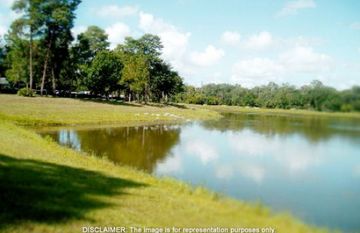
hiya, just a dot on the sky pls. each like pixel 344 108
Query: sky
pixel 241 42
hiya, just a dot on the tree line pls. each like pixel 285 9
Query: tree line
pixel 315 96
pixel 41 54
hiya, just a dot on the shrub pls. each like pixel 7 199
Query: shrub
pixel 26 92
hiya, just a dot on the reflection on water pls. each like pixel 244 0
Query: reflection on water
pixel 307 166
pixel 140 147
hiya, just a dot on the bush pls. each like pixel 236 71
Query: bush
pixel 26 92
pixel 346 108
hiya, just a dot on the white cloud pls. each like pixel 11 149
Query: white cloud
pixel 77 30
pixel 7 3
pixel 116 11
pixel 6 19
pixel 297 60
pixel 224 172
pixel 204 151
pixel 256 71
pixel 259 41
pixel 292 8
pixel 355 25
pixel 117 32
pixel 302 41
pixel 291 159
pixel 209 57
pixel 175 41
pixel 252 171
pixel 248 146
pixel 304 59
pixel 2 30
pixel 230 38
pixel 170 165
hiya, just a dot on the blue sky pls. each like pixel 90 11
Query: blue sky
pixel 237 41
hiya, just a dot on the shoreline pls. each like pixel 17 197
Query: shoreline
pixel 149 200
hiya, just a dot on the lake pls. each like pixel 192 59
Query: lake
pixel 307 166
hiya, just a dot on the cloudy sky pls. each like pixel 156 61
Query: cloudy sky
pixel 237 41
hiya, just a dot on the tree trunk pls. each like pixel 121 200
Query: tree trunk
pixel 146 94
pixel 30 58
pixel 53 80
pixel 45 66
pixel 129 97
pixel 44 72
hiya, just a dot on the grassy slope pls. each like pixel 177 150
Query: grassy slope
pixel 61 111
pixel 49 188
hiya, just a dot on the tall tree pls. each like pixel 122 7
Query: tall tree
pixel 31 21
pixel 2 59
pixel 164 82
pixel 16 57
pixel 136 75
pixel 96 37
pixel 87 45
pixel 59 19
pixel 148 45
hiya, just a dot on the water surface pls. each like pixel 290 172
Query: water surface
pixel 307 166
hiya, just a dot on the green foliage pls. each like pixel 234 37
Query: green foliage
pixel 164 81
pixel 315 96
pixel 136 74
pixel 2 59
pixel 40 52
pixel 16 57
pixel 148 45
pixel 96 37
pixel 88 44
pixel 104 73
pixel 145 73
pixel 26 92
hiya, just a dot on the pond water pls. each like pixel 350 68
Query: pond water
pixel 307 166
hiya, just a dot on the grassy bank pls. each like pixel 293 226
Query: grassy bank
pixel 49 188
pixel 285 112
pixel 62 111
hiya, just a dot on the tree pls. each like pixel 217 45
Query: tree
pixel 87 45
pixel 31 21
pixel 17 72
pixel 59 19
pixel 2 59
pixel 96 38
pixel 104 73
pixel 136 75
pixel 148 45
pixel 145 73
pixel 164 82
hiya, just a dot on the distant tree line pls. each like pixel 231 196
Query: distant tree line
pixel 315 96
pixel 41 54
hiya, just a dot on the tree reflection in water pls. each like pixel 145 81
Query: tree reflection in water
pixel 141 147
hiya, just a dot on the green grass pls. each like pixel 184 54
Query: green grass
pixel 49 188
pixel 62 111
pixel 299 112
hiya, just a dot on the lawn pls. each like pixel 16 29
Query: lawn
pixel 65 111
pixel 49 188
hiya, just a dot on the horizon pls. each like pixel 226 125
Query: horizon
pixel 246 43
